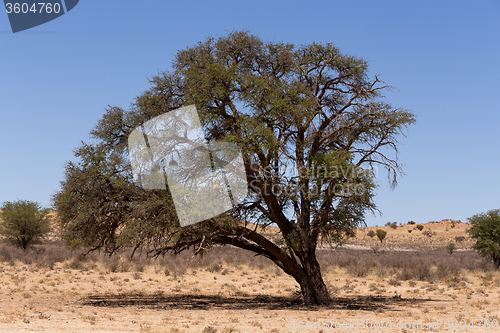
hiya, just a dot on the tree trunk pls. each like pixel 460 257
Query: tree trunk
pixel 496 260
pixel 306 270
pixel 311 282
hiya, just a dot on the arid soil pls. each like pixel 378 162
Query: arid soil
pixel 434 235
pixel 53 290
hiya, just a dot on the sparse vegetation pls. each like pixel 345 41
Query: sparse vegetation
pixel 428 233
pixel 371 233
pixel 394 225
pixel 234 276
pixel 420 227
pixel 411 222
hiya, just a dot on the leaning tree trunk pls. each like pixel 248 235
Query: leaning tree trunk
pixel 306 270
pixel 313 288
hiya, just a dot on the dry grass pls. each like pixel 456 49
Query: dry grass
pixel 50 288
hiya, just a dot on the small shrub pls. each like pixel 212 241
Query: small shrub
pixel 411 222
pixel 409 231
pixel 428 233
pixel 450 247
pixel 420 227
pixel 215 268
pixel 117 264
pixel 394 282
pixel 394 225
pixel 447 271
pixel 371 233
pixel 6 256
pixel 90 319
pixel 44 316
pixel 415 269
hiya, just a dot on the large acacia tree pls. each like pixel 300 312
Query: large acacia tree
pixel 310 122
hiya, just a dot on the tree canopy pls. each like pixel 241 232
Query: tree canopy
pixel 485 229
pixel 312 126
pixel 24 223
pixel 381 235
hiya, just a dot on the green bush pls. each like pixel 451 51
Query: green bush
pixel 24 223
pixel 420 227
pixel 394 225
pixel 485 229
pixel 450 247
pixel 381 234
pixel 411 222
pixel 371 233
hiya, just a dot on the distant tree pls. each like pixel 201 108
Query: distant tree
pixel 381 234
pixel 450 247
pixel 485 229
pixel 371 233
pixel 24 223
pixel 411 222
pixel 394 225
pixel 420 227
pixel 388 224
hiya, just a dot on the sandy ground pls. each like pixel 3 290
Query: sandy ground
pixel 434 235
pixel 237 298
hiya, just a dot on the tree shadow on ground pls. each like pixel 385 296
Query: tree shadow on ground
pixel 206 302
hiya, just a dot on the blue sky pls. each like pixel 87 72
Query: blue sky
pixel 56 80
